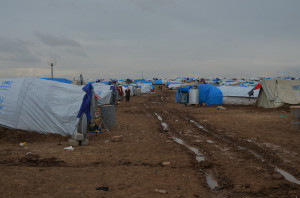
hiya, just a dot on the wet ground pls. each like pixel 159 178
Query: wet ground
pixel 168 150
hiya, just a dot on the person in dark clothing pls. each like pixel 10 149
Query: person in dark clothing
pixel 127 93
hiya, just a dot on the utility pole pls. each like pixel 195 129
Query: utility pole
pixel 51 62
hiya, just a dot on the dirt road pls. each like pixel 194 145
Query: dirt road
pixel 168 150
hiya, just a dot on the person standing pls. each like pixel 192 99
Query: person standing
pixel 127 93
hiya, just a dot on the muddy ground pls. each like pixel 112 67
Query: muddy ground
pixel 168 150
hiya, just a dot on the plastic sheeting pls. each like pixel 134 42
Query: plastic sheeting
pixel 175 85
pixel 86 102
pixel 210 95
pixel 44 106
pixel 237 91
pixel 158 82
pixel 62 80
pixel 104 91
pixel 145 88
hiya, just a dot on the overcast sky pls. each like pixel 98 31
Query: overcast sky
pixel 153 38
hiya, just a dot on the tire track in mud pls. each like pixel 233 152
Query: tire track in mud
pixel 239 166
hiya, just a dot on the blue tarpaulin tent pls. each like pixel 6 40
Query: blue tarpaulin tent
pixel 106 82
pixel 62 80
pixel 191 79
pixel 180 91
pixel 145 81
pixel 138 80
pixel 210 95
pixel 158 82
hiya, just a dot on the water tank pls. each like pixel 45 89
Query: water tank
pixel 193 96
pixel 295 112
pixel 108 116
pixel 138 91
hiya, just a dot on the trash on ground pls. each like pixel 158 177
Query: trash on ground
pixel 220 108
pixel 23 143
pixel 104 188
pixel 117 138
pixel 161 191
pixel 69 148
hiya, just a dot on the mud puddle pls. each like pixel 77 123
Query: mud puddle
pixel 164 125
pixel 211 181
pixel 210 178
pixel 285 174
pixel 198 125
pixel 199 155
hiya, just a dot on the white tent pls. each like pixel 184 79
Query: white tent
pixel 237 95
pixel 278 92
pixel 145 88
pixel 176 85
pixel 39 105
pixel 104 92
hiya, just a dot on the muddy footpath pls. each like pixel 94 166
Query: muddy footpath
pixel 165 149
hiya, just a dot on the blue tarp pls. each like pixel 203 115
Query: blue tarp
pixel 190 80
pixel 62 80
pixel 158 82
pixel 145 81
pixel 85 105
pixel 210 95
pixel 138 80
pixel 106 82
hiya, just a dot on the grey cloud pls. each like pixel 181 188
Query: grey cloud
pixel 77 52
pixel 16 50
pixel 54 41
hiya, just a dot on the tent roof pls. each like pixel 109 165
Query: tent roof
pixel 287 91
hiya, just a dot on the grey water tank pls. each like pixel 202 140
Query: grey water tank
pixel 108 116
pixel 193 96
pixel 138 91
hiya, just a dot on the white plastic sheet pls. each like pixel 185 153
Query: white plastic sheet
pixel 145 88
pixel 104 92
pixel 237 91
pixel 39 105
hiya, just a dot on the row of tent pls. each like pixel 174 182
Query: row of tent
pixel 43 106
pixel 273 93
pixel 108 93
pixel 54 106
pixel 46 106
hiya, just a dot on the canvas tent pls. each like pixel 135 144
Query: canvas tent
pixel 237 95
pixel 278 92
pixel 39 105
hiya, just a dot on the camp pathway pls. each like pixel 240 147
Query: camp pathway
pixel 165 149
pixel 133 167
